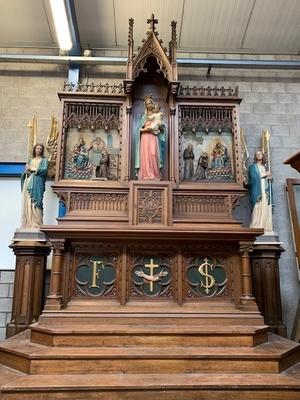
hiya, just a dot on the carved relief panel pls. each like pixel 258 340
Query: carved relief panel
pixel 95 272
pixel 91 140
pixel 207 275
pixel 152 273
pixel 207 144
pixel 151 203
pixel 108 203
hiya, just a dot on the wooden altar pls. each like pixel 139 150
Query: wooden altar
pixel 151 288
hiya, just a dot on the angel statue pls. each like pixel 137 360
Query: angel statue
pixel 33 180
pixel 260 187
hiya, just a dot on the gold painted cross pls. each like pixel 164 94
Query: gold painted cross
pixel 152 21
pixel 151 266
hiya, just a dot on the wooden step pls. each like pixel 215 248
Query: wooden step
pixel 273 356
pixel 148 335
pixel 84 318
pixel 214 386
pixel 8 375
pixel 150 312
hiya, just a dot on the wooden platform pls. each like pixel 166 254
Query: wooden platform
pixel 161 386
pixel 168 361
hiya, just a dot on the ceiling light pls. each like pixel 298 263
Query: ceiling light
pixel 61 24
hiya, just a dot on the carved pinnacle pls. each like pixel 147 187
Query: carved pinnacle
pixel 173 34
pixel 130 32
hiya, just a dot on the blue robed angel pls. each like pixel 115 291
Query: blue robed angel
pixel 33 183
pixel 260 194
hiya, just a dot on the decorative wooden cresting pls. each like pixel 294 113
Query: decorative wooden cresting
pixel 151 276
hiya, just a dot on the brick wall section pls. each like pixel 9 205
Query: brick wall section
pixel 26 90
pixel 6 295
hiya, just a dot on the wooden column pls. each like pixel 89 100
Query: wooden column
pixel 247 300
pixel 172 158
pixel 31 258
pixel 129 138
pixel 54 300
pixel 266 286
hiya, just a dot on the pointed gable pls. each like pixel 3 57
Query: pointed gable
pixel 151 47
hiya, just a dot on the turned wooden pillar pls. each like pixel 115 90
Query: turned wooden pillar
pixel 266 286
pixel 31 258
pixel 247 300
pixel 54 299
pixel 172 172
pixel 127 156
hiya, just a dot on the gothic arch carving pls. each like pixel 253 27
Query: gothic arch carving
pixel 152 47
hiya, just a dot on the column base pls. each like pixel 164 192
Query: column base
pixel 248 303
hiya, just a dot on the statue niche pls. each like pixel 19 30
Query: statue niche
pixel 150 124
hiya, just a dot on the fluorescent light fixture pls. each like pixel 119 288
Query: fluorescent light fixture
pixel 61 24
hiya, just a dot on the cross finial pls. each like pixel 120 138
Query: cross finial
pixel 152 21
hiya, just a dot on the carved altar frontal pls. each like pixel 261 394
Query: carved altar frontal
pixel 152 271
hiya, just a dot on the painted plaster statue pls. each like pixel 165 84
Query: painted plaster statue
pixel 158 119
pixel 259 185
pixel 99 159
pixel 220 158
pixel 188 156
pixel 80 155
pixel 202 165
pixel 33 187
pixel 150 142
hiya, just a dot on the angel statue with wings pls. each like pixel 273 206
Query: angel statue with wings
pixel 33 180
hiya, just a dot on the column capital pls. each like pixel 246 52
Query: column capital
pixel 245 248
pixel 57 244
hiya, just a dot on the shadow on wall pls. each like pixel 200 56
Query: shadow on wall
pixel 242 212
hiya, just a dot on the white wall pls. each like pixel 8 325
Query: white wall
pixel 10 215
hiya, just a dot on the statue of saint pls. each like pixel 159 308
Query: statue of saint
pixel 80 155
pixel 201 171
pixel 33 187
pixel 260 191
pixel 150 142
pixel 99 159
pixel 220 158
pixel 188 156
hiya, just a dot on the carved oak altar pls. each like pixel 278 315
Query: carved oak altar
pixel 171 240
pixel 151 286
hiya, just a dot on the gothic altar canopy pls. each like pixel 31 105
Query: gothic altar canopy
pixel 149 171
